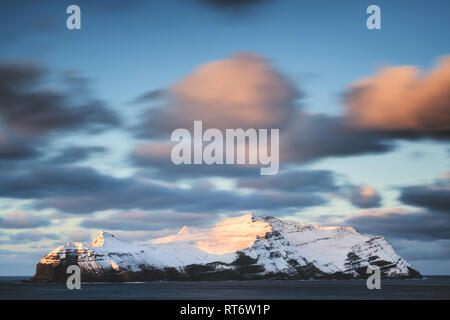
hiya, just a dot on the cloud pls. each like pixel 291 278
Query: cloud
pixel 151 95
pixel 74 153
pixel 140 220
pixel 33 111
pixel 417 235
pixel 434 196
pixel 243 91
pixel 79 235
pixel 29 108
pixel 32 236
pixel 151 196
pixel 404 104
pixel 423 250
pixel 401 101
pixel 315 136
pixel 293 181
pixel 227 93
pixel 309 137
pixel 30 111
pixel 362 196
pixel 78 189
pixel 314 181
pixel 39 181
pixel 402 224
pixel 156 156
pixel 13 147
pixel 74 81
pixel 22 220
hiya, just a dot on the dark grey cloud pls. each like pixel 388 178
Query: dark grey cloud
pixel 73 154
pixel 414 250
pixel 75 82
pixel 293 181
pixel 157 167
pixel 363 196
pixel 315 136
pixel 154 159
pixel 77 189
pixel 155 156
pixel 434 196
pixel 29 108
pixel 310 137
pixel 314 181
pixel 399 224
pixel 40 181
pixel 14 147
pixel 151 96
pixel 32 236
pixel 141 220
pixel 22 220
pixel 33 114
pixel 152 196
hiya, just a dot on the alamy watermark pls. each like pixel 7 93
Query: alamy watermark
pixel 234 146
pixel 74 280
pixel 373 22
pixel 73 21
pixel 374 281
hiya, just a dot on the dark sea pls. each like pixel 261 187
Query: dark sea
pixel 431 287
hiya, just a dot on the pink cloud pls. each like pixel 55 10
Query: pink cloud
pixel 243 91
pixel 402 99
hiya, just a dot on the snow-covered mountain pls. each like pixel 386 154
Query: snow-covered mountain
pixel 246 247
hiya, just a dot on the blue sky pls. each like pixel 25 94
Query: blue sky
pixel 126 49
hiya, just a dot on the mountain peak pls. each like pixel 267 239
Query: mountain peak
pixel 185 230
pixel 100 238
pixel 227 236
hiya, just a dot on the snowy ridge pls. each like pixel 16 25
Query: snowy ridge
pixel 246 247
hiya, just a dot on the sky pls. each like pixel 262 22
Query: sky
pixel 86 117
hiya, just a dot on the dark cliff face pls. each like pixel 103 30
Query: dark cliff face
pixel 286 250
pixel 58 273
pixel 243 268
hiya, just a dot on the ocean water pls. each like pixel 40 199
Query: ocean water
pixel 431 287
